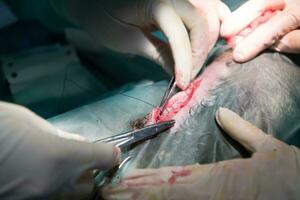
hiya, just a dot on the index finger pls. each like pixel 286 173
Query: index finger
pixel 247 13
pixel 251 137
pixel 172 26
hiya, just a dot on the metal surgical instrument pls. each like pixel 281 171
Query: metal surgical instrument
pixel 126 139
pixel 171 90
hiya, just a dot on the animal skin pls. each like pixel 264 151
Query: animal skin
pixel 264 91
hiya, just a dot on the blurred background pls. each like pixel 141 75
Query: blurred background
pixel 52 69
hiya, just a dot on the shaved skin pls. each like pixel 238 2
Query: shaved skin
pixel 184 99
pixel 179 105
pixel 264 91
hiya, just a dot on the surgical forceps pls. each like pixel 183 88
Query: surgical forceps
pixel 171 90
pixel 126 139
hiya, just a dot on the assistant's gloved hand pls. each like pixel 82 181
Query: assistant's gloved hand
pixel 35 163
pixel 273 172
pixel 126 26
pixel 260 24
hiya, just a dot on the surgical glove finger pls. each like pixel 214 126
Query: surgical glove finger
pixel 203 25
pixel 192 32
pixel 268 34
pixel 259 25
pixel 198 29
pixel 95 156
pixel 247 13
pixel 234 179
pixel 34 156
pixel 173 27
pixel 41 128
pixel 290 43
pixel 67 135
pixel 244 132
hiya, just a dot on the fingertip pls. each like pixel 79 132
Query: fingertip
pixel 241 130
pixel 106 156
pixel 118 153
pixel 183 72
pixel 229 121
pixel 182 82
pixel 279 46
pixel 223 115
pixel 182 85
pixel 229 28
pixel 290 43
pixel 226 30
pixel 243 54
pixel 217 116
pixel 238 56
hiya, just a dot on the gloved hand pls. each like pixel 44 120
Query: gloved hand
pixel 126 26
pixel 35 163
pixel 260 24
pixel 273 172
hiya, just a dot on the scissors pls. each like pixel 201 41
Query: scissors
pixel 126 139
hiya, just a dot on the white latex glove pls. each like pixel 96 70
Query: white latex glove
pixel 273 172
pixel 289 43
pixel 126 26
pixel 36 163
pixel 260 24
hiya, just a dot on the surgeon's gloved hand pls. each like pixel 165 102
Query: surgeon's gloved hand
pixel 260 24
pixel 273 172
pixel 127 26
pixel 36 163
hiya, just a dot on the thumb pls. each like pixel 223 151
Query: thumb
pixel 251 137
pixel 290 43
pixel 83 156
pixel 72 136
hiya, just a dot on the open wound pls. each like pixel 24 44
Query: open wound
pixel 175 104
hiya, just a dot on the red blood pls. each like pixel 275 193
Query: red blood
pixel 263 18
pixel 176 174
pixel 228 40
pixel 249 29
pixel 175 104
pixel 154 115
pixel 172 180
